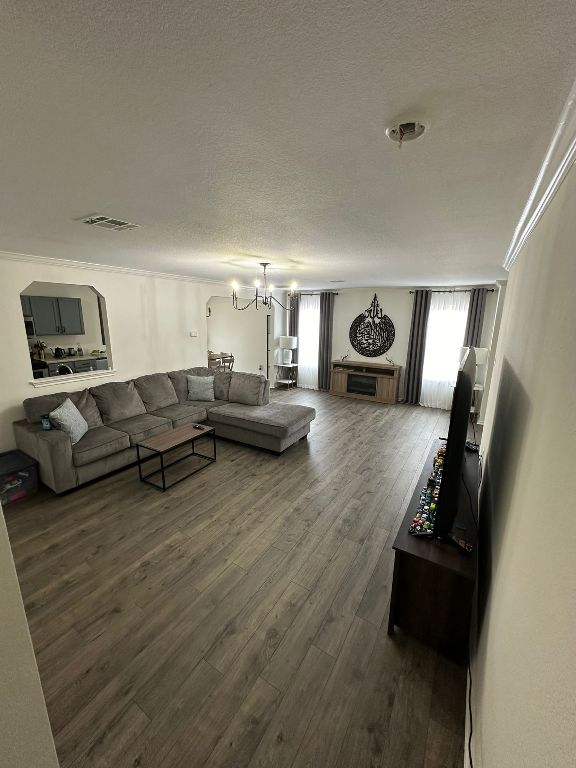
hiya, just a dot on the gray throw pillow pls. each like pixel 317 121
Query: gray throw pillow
pixel 69 419
pixel 200 387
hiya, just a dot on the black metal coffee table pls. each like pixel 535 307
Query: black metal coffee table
pixel 162 444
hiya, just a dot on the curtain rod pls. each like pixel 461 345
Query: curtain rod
pixel 316 293
pixel 455 290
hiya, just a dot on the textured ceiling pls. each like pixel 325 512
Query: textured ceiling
pixel 239 131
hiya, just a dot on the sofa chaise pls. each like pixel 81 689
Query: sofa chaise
pixel 122 413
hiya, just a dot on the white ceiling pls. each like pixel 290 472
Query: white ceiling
pixel 237 131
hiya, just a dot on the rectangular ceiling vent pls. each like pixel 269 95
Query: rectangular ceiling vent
pixel 108 222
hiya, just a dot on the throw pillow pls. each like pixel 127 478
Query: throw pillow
pixel 69 419
pixel 200 387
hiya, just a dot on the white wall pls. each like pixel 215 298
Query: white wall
pixel 149 318
pixel 242 333
pixel 92 337
pixel 489 317
pixel 524 675
pixel 25 736
pixel 395 302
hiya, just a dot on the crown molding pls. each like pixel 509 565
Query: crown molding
pixel 558 161
pixel 54 262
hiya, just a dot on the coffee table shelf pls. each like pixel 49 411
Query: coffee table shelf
pixel 160 445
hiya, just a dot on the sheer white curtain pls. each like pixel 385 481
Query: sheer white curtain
pixel 308 341
pixel 444 337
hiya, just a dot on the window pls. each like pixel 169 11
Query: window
pixel 444 338
pixel 308 341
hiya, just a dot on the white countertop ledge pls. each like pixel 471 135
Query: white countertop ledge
pixel 50 381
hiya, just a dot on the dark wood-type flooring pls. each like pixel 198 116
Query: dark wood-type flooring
pixel 239 619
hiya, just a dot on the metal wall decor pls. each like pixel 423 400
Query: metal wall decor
pixel 372 333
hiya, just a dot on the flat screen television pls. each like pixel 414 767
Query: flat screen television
pixel 447 505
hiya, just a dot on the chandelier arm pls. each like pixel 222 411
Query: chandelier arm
pixel 286 309
pixel 266 298
pixel 241 309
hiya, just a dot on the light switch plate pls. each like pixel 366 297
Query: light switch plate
pixel 194 334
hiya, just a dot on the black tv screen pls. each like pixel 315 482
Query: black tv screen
pixel 447 505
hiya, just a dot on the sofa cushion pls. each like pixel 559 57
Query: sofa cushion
pixel 222 384
pixel 68 419
pixel 200 387
pixel 118 400
pixel 180 413
pixel 277 419
pixel 156 391
pixel 86 404
pixel 247 388
pixel 208 405
pixel 144 425
pixel 180 382
pixel 35 407
pixel 98 443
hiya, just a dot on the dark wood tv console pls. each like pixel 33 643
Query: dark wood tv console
pixel 378 382
pixel 433 582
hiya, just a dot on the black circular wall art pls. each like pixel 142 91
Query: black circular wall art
pixel 372 333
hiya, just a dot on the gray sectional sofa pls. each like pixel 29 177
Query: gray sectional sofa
pixel 120 414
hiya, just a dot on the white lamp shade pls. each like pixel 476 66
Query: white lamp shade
pixel 288 342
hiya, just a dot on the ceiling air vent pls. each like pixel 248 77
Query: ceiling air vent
pixel 108 222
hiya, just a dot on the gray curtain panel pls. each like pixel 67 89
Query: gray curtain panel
pixel 293 323
pixel 416 345
pixel 475 317
pixel 325 343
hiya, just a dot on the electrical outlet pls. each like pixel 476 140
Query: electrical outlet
pixel 193 334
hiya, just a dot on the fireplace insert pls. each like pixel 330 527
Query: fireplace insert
pixel 361 385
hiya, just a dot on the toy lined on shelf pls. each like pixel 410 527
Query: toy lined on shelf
pixel 423 522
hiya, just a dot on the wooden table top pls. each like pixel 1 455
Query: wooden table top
pixel 175 437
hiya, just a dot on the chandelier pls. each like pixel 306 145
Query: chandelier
pixel 263 293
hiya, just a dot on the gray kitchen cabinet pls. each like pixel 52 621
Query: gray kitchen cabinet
pixel 26 306
pixel 83 366
pixel 78 366
pixel 45 314
pixel 53 368
pixel 57 316
pixel 71 320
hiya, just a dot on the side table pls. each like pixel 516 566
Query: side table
pixel 287 374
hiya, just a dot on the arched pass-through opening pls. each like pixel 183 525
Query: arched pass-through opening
pixel 66 329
